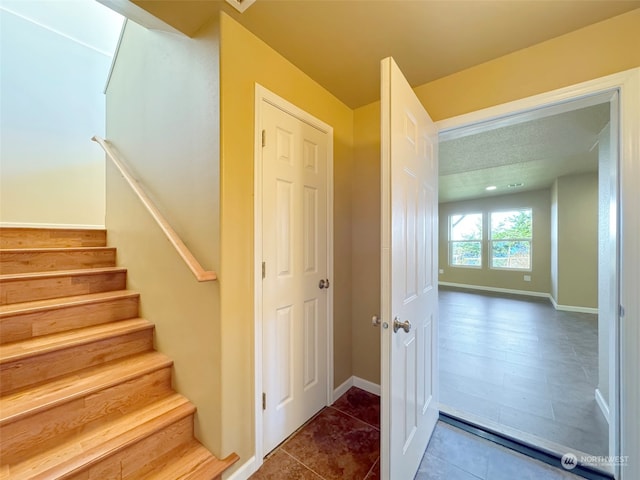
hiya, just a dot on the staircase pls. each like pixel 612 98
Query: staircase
pixel 83 393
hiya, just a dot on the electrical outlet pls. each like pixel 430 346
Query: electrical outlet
pixel 527 278
pixel 441 271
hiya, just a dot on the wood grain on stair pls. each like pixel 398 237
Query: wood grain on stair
pixel 61 423
pixel 21 321
pixel 50 259
pixel 25 287
pixel 98 449
pixel 11 237
pixel 83 395
pixel 45 358
pixel 31 401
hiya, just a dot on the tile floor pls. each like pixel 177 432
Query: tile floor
pixel 453 454
pixel 516 362
pixel 342 442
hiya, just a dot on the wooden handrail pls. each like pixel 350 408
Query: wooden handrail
pixel 200 273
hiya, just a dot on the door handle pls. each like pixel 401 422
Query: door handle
pixel 324 283
pixel 397 325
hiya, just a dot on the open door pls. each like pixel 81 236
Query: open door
pixel 409 400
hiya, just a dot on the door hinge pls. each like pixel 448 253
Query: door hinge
pixel 621 311
pixel 264 270
pixel 264 401
pixel 264 138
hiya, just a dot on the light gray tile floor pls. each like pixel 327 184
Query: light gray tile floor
pixel 518 362
pixel 453 454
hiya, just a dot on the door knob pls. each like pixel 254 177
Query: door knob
pixel 324 283
pixel 397 325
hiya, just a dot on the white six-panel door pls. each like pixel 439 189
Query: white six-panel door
pixel 294 247
pixel 409 277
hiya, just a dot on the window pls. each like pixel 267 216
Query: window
pixel 465 240
pixel 510 241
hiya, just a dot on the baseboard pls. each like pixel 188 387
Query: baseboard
pixel 342 388
pixel 354 381
pixel 602 403
pixel 245 470
pixel 495 289
pixel 571 308
pixel 565 308
pixel 366 385
pixel 51 225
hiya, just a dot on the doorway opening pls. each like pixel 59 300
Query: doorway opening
pixel 528 308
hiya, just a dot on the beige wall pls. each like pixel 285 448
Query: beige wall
pixel 245 60
pixel 578 240
pixel 539 202
pixel 554 240
pixel 162 115
pixel 365 229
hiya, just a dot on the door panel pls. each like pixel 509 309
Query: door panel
pixel 294 246
pixel 409 292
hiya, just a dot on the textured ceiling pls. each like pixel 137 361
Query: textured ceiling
pixel 339 43
pixel 533 153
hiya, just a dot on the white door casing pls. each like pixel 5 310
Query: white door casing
pixel 409 403
pixel 295 253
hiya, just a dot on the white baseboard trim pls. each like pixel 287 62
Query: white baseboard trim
pixel 342 388
pixel 51 225
pixel 571 308
pixel 565 308
pixel 495 289
pixel 354 381
pixel 602 403
pixel 366 385
pixel 247 469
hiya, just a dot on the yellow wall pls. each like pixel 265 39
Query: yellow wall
pixel 591 52
pixel 245 60
pixel 539 202
pixel 162 115
pixel 595 51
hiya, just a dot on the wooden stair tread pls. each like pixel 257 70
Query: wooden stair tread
pixel 90 448
pixel 61 273
pixel 12 352
pixel 63 302
pixel 193 462
pixel 31 400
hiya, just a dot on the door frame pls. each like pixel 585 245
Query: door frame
pixel 263 94
pixel 625 336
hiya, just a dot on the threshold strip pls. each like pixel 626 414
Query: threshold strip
pixel 545 456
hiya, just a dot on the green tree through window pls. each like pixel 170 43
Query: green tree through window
pixel 465 240
pixel 511 234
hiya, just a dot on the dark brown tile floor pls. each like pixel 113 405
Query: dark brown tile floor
pixel 340 442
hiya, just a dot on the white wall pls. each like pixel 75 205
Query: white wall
pixel 51 86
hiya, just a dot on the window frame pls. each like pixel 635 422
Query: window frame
pixel 451 242
pixel 490 240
